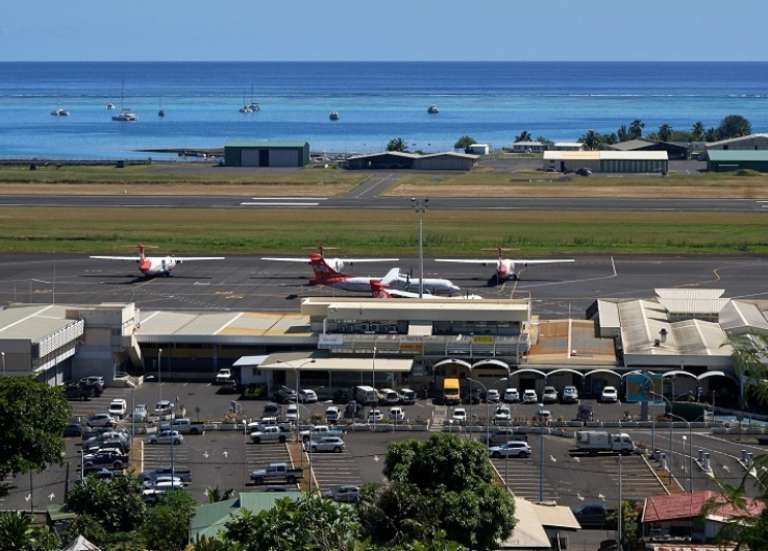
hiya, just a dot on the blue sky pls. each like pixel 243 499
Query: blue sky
pixel 534 30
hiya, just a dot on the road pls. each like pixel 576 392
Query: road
pixel 365 196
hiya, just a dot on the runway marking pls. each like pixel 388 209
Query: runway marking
pixel 277 204
pixel 570 281
pixel 289 198
pixel 717 274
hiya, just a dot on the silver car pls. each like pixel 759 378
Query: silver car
pixel 327 444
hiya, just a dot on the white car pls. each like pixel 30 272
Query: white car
pixel 388 396
pixel 307 396
pixel 570 395
pixel 530 397
pixel 327 444
pixel 375 415
pixel 268 434
pixel 223 376
pixel 397 414
pixel 332 414
pixel 492 396
pixel 165 481
pixel 140 413
pixel 609 394
pixel 118 408
pixel 101 420
pixel 502 414
pixel 173 437
pixel 164 407
pixel 511 449
pixel 511 395
pixel 549 395
pixel 292 412
pixel 459 415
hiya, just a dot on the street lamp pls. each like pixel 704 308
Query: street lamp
pixel 420 207
pixel 2 355
pixel 297 376
pixel 690 439
pixel 159 374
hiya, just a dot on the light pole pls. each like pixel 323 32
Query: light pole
pixel 297 375
pixel 159 375
pixel 373 383
pixel 690 440
pixel 420 206
pixel 488 408
pixel 2 355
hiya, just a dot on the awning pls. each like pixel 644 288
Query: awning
pixel 566 370
pixel 452 361
pixel 491 363
pixel 709 374
pixel 250 361
pixel 312 361
pixel 678 372
pixel 606 371
pixel 529 370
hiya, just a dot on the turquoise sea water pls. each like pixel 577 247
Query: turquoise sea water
pixel 377 101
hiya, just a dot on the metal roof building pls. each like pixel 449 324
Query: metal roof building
pixel 266 153
pixel 752 142
pixel 607 161
pixel 389 160
pixel 729 160
pixel 675 151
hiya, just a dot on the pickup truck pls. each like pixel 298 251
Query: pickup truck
pixel 320 430
pixel 276 473
pixel 268 434
pixel 184 426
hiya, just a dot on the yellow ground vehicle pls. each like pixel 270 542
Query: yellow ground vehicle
pixel 451 391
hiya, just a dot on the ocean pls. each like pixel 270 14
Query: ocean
pixel 490 101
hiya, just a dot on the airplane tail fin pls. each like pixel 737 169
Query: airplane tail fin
pixel 322 270
pixel 141 250
pixel 391 276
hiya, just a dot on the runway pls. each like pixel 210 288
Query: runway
pixel 248 283
pixel 367 198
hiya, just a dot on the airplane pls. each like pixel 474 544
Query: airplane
pixel 379 290
pixel 327 276
pixel 506 268
pixel 151 266
pixel 335 264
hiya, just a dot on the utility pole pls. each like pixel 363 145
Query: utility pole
pixel 541 465
pixel 621 506
pixel 420 207
pixel 159 375
pixel 2 355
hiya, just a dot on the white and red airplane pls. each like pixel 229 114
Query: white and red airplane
pixel 335 264
pixel 380 290
pixel 325 274
pixel 506 268
pixel 152 266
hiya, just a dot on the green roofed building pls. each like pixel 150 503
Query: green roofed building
pixel 210 519
pixel 266 153
pixel 719 160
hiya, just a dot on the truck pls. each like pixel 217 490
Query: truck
pixel 451 391
pixel 318 431
pixel 276 473
pixel 595 441
pixel 184 426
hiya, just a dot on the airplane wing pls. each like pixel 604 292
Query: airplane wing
pixel 304 260
pixel 548 261
pixel 466 261
pixel 196 258
pixel 131 258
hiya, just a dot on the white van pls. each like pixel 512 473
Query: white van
pixel 366 395
pixel 388 396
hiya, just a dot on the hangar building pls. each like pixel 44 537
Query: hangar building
pixel 607 161
pixel 266 153
pixel 753 142
pixel 719 160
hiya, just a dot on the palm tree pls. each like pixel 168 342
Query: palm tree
pixel 636 129
pixel 397 144
pixel 590 139
pixel 215 494
pixel 17 533
pixel 665 132
pixel 464 142
pixel 697 131
pixel 622 134
pixel 524 136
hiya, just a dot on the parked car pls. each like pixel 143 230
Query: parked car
pixel 285 394
pixel 319 431
pixel 224 375
pixel 307 396
pixel 164 407
pixel 118 408
pixel 396 414
pixel 184 426
pixel 75 391
pixel 502 414
pixel 570 395
pixel 94 384
pixel 459 415
pixel 492 396
pixel 111 457
pixel 511 395
pixel 271 409
pixel 73 429
pixel 542 416
pixel 164 481
pixel 609 394
pixel 327 444
pixel 101 420
pixel 139 413
pixel 375 415
pixel 276 473
pixel 182 472
pixel 592 515
pixel 407 396
pixel 502 435
pixel 530 396
pixel 511 449
pixel 584 172
pixel 549 395
pixel 388 396
pixel 332 414
pixel 167 437
pixel 346 493
pixel 292 412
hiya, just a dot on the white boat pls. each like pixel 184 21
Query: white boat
pixel 433 109
pixel 334 116
pixel 126 115
pixel 60 112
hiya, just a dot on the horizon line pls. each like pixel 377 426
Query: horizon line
pixel 478 61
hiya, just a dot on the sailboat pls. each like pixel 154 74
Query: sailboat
pixel 161 112
pixel 60 112
pixel 125 115
pixel 251 106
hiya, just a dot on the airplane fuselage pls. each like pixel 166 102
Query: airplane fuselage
pixel 157 265
pixel 434 286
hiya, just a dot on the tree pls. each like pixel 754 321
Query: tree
pixel 167 524
pixel 310 523
pixel 636 129
pixel 87 526
pixel 711 135
pixel 733 126
pixel 591 140
pixel 215 494
pixel 212 544
pixel 749 361
pixel 397 144
pixel 665 132
pixel 464 142
pixel 18 534
pixel 32 420
pixel 622 133
pixel 629 523
pixel 117 505
pixel 697 131
pixel 523 136
pixel 441 485
pixel 544 140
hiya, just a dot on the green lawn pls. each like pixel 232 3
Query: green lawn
pixel 377 232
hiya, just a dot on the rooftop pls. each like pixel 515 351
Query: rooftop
pixel 274 144
pixel 33 322
pixel 605 156
pixel 532 520
pixel 725 155
pixel 689 505
pixel 571 342
pixel 319 361
pixel 736 140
